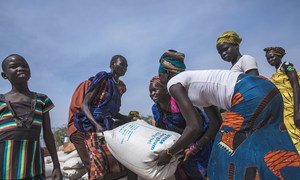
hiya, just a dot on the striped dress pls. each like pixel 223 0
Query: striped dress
pixel 20 153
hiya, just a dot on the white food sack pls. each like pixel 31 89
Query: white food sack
pixel 47 159
pixel 73 163
pixel 137 143
pixel 62 157
pixel 73 173
pixel 48 169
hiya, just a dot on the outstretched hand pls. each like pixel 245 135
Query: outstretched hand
pixel 56 174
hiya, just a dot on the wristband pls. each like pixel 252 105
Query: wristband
pixel 169 153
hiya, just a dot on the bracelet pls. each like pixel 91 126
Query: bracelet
pixel 169 153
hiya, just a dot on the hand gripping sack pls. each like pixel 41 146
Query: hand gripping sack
pixel 137 143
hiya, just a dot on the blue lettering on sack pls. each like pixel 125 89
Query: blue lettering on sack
pixel 127 131
pixel 158 138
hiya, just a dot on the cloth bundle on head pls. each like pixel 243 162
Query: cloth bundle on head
pixel 172 61
pixel 278 50
pixel 229 37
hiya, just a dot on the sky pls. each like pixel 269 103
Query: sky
pixel 66 42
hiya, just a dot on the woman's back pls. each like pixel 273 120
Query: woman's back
pixel 208 87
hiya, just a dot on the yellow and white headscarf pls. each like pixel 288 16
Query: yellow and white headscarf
pixel 229 37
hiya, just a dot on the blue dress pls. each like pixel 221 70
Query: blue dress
pixel 196 166
pixel 105 106
pixel 251 143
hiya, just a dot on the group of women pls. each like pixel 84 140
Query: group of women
pixel 256 137
pixel 231 121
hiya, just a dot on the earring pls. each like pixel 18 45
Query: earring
pixel 3 75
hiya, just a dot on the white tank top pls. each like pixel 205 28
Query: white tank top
pixel 208 87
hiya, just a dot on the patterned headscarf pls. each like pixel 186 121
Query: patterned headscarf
pixel 172 61
pixel 278 50
pixel 229 37
pixel 156 80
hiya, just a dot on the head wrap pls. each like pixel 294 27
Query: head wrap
pixel 278 50
pixel 156 80
pixel 229 37
pixel 172 61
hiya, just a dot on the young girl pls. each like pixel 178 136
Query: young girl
pixel 22 115
pixel 228 46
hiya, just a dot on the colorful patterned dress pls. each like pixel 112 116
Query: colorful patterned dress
pixel 250 143
pixel 196 166
pixel 20 152
pixel 281 81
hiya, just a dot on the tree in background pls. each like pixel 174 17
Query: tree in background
pixel 59 134
pixel 147 118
